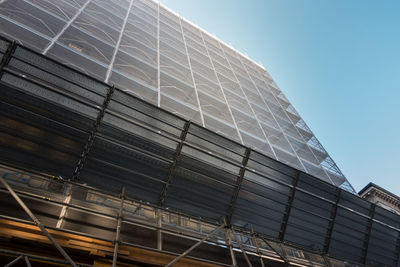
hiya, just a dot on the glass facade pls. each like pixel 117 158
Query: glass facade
pixel 151 52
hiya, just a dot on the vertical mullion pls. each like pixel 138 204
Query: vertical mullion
pixel 284 134
pixel 368 233
pixel 245 96
pixel 239 182
pixel 266 137
pixel 108 74
pixel 223 93
pixel 288 208
pixel 291 122
pixel 191 72
pixel 328 238
pixel 66 26
pixel 397 253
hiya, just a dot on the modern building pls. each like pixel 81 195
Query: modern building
pixel 130 137
pixel 155 54
pixel 381 197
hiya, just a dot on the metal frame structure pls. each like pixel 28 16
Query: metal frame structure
pixel 150 51
pixel 155 152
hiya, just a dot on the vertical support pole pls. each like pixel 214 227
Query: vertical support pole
pixel 368 233
pixel 288 208
pixel 67 200
pixel 229 244
pixel 241 248
pixel 332 222
pixel 27 262
pixel 255 242
pixel 159 232
pixel 38 223
pixel 117 235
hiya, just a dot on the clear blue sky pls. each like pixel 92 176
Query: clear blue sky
pixel 338 62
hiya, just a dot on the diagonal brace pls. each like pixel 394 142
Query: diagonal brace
pixel 38 223
pixel 213 232
pixel 276 251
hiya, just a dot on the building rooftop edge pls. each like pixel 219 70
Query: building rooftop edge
pixel 373 185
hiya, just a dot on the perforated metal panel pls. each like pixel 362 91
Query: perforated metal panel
pixel 60 122
pixel 144 48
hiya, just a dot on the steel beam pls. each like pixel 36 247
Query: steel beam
pixel 92 134
pixel 238 185
pixel 332 222
pixel 118 232
pixel 174 163
pixel 213 232
pixel 38 223
pixel 288 208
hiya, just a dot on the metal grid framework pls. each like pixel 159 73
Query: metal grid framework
pixel 63 123
pixel 151 52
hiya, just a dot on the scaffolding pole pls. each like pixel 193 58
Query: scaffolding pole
pixel 255 241
pixel 38 223
pixel 28 263
pixel 276 251
pixel 229 244
pixel 159 232
pixel 118 233
pixel 241 248
pixel 14 261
